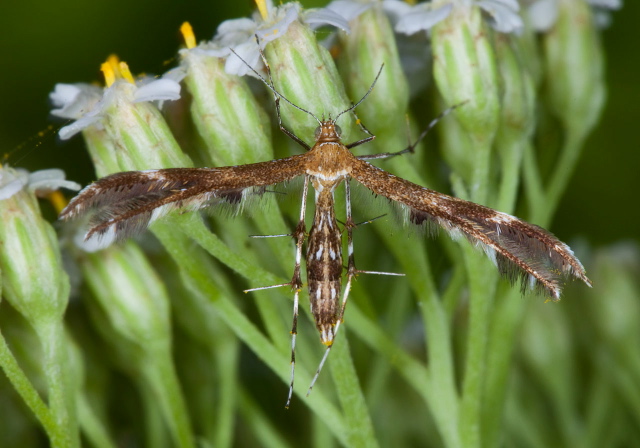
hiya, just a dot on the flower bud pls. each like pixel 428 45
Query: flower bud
pixel 33 279
pixel 233 125
pixel 370 44
pixel 465 70
pixel 304 72
pixel 130 292
pixel 575 67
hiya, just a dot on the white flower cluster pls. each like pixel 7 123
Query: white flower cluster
pixel 41 182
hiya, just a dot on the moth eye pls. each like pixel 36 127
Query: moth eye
pixel 317 132
pixel 338 130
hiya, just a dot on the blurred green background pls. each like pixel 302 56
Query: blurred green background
pixel 43 43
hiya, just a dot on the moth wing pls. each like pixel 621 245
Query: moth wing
pixel 517 248
pixel 126 203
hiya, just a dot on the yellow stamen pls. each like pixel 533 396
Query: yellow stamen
pixel 262 7
pixel 187 34
pixel 113 60
pixel 108 73
pixel 126 73
pixel 58 201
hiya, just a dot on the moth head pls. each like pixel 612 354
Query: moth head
pixel 328 131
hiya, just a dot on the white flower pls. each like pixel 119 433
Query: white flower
pixel 239 35
pixel 41 182
pixel 544 13
pixel 337 13
pixel 88 104
pixel 502 15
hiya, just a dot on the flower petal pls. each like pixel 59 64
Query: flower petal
pixel 348 9
pixel 162 89
pixel 419 18
pixel 69 131
pixel 279 28
pixel 12 181
pixel 234 32
pixel 325 16
pixel 249 52
pixel 511 4
pixel 608 4
pixel 74 100
pixel 503 18
pixel 395 9
pixel 543 14
pixel 45 181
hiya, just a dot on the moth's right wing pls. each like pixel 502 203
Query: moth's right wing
pixel 518 249
pixel 126 203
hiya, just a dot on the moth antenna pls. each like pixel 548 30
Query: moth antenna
pixel 433 122
pixel 269 83
pixel 353 106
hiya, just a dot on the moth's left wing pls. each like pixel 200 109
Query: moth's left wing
pixel 517 248
pixel 126 203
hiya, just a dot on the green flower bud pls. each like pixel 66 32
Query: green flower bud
pixel 465 70
pixel 615 271
pixel 230 121
pixel 130 293
pixel 33 279
pixel 134 300
pixel 139 133
pixel 370 44
pixel 36 285
pixel 304 72
pixel 102 151
pixel 575 67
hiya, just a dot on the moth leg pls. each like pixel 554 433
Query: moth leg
pixel 364 129
pixel 296 283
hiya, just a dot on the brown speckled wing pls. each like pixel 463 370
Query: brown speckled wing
pixel 517 248
pixel 126 203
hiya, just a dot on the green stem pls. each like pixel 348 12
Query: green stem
pixel 23 386
pixel 414 372
pixel 92 427
pixel 259 423
pixel 61 395
pixel 197 279
pixel 356 414
pixel 193 227
pixel 481 295
pixel 479 188
pixel 154 425
pixel 511 150
pixel 503 332
pixel 441 388
pixel 226 357
pixel 562 173
pixel 162 376
pixel 533 186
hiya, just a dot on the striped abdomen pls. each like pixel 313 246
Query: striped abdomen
pixel 324 266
